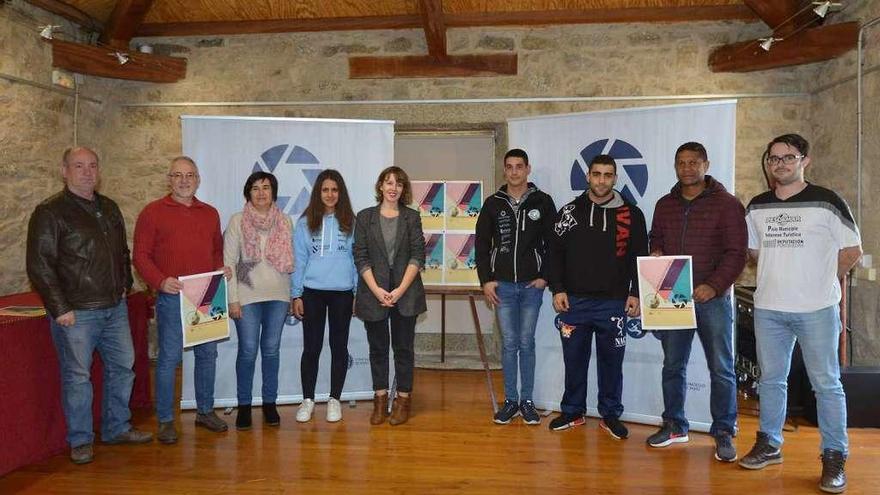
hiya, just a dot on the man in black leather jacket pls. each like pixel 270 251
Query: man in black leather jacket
pixel 78 261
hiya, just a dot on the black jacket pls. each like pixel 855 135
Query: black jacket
pixel 511 244
pixel 369 252
pixel 77 253
pixel 594 247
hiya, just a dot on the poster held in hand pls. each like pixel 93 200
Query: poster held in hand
pixel 204 309
pixel 666 289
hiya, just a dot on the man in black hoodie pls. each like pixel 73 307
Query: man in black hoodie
pixel 592 261
pixel 510 245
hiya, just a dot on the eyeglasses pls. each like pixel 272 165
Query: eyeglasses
pixel 180 175
pixel 773 160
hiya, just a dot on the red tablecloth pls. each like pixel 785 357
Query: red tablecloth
pixel 31 419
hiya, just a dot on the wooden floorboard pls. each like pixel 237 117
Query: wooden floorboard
pixel 450 446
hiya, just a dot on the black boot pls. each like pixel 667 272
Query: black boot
pixel 833 475
pixel 243 419
pixel 270 414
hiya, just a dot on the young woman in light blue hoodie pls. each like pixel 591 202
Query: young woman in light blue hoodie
pixel 323 286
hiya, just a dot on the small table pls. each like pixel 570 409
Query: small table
pixel 30 381
pixel 471 293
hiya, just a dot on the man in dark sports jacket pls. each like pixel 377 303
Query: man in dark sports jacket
pixel 592 260
pixel 510 248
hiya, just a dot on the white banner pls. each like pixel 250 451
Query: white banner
pixel 228 150
pixel 643 143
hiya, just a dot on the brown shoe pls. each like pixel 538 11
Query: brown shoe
pixel 380 409
pixel 167 433
pixel 400 410
pixel 131 436
pixel 82 454
pixel 211 422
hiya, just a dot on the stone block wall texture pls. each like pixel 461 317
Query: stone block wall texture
pixel 36 125
pixel 833 112
pixel 580 60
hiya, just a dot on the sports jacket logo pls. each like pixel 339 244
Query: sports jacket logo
pixel 567 222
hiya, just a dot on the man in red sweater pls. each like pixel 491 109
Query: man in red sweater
pixel 179 235
pixel 701 219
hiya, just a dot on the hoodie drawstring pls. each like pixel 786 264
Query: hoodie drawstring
pixel 592 208
pixel 323 221
pixel 604 220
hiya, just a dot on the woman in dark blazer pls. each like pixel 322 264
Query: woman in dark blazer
pixel 389 252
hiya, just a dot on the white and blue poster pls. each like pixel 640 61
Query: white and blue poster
pixel 227 150
pixel 643 143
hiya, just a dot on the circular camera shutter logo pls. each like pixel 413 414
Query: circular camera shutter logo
pixel 296 169
pixel 632 171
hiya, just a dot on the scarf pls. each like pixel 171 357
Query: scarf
pixel 279 253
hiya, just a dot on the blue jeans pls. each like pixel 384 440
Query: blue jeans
pixel 817 332
pixel 715 329
pixel 270 315
pixel 107 331
pixel 170 354
pixel 518 317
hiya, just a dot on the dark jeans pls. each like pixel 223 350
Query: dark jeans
pixel 403 334
pixel 604 318
pixel 319 306
pixel 715 329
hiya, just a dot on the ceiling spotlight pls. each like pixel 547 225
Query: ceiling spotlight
pixel 121 57
pixel 766 43
pixel 822 8
pixel 46 31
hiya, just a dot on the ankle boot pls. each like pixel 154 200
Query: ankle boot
pixel 400 410
pixel 380 409
pixel 270 414
pixel 243 419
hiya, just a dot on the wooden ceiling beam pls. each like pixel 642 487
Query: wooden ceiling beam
pixel 428 66
pixel 101 62
pixel 435 28
pixel 548 17
pixel 68 12
pixel 782 16
pixel 127 17
pixel 214 28
pixel 806 47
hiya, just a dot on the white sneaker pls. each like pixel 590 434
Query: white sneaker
pixel 304 413
pixel 334 410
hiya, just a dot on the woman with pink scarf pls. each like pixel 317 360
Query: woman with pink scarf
pixel 256 245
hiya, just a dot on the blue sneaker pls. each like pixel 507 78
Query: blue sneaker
pixel 508 411
pixel 529 413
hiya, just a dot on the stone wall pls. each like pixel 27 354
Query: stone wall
pixel 35 126
pixel 833 110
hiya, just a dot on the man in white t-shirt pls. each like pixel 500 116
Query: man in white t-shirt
pixel 805 240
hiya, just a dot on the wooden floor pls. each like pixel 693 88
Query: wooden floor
pixel 450 446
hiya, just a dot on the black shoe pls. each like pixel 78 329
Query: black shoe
pixel 508 411
pixel 762 454
pixel 833 475
pixel 270 414
pixel 243 419
pixel 724 449
pixel 529 413
pixel 668 434
pixel 614 428
pixel 565 421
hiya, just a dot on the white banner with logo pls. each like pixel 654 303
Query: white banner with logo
pixel 228 150
pixel 643 143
